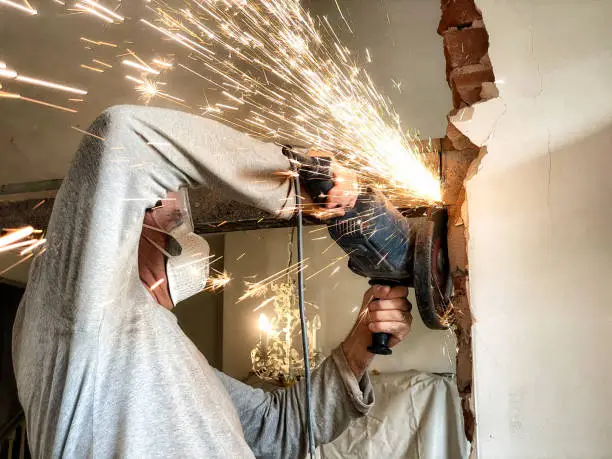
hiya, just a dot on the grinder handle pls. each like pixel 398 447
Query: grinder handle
pixel 380 341
pixel 380 344
pixel 320 189
pixel 316 174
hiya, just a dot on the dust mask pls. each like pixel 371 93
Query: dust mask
pixel 187 254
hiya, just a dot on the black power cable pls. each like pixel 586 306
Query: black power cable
pixel 300 257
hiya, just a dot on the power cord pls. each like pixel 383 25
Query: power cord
pixel 300 258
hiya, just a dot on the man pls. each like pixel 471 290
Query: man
pixel 102 367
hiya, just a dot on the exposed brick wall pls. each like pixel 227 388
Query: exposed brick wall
pixel 459 14
pixel 466 44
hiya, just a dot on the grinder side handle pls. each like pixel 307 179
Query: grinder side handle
pixel 380 341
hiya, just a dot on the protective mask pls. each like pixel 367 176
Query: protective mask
pixel 188 255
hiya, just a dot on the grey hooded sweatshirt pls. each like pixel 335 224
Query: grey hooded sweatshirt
pixel 103 370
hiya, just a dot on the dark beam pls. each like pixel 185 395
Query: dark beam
pixel 20 204
pixel 29 190
pixel 14 214
pixel 214 214
pixel 31 204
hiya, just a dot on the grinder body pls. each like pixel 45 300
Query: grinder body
pixel 390 248
pixel 376 237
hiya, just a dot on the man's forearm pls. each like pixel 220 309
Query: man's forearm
pixel 357 356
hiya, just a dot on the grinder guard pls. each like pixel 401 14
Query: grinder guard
pixel 432 280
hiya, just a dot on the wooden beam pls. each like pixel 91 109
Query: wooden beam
pixel 29 190
pixel 31 204
pixel 14 214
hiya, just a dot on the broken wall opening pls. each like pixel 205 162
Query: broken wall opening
pixel 470 76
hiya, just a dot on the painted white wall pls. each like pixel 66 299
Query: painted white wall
pixel 265 253
pixel 540 249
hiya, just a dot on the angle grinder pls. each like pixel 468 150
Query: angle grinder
pixel 388 247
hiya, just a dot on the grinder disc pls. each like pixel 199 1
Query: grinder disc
pixel 432 281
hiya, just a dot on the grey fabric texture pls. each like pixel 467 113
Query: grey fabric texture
pixel 102 369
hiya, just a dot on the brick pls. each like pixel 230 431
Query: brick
pixel 471 75
pixel 475 164
pixel 457 252
pixel 466 83
pixel 455 165
pixel 458 13
pixel 464 96
pixel 486 60
pixel 465 47
pixel 446 144
pixel 458 140
pixel 464 213
pixel 489 91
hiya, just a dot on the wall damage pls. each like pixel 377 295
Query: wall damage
pixel 471 79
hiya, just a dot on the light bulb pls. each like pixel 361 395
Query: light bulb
pixel 264 323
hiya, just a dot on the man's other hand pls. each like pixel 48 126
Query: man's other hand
pixel 343 195
pixel 384 310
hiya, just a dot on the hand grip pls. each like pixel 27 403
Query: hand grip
pixel 380 344
pixel 380 341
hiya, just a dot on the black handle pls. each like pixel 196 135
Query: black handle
pixel 319 190
pixel 380 344
pixel 380 341
pixel 316 174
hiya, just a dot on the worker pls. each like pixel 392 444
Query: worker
pixel 102 367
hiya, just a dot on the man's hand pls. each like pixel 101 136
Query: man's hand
pixel 384 310
pixel 344 193
pixel 340 198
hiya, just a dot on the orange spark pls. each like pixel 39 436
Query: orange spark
pixel 19 7
pixel 16 235
pixel 157 284
pixel 94 69
pixel 37 243
pixel 16 245
pixel 22 260
pixel 87 133
pixel 39 204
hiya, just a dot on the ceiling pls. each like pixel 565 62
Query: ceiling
pixel 37 143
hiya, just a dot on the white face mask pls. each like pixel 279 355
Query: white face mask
pixel 188 257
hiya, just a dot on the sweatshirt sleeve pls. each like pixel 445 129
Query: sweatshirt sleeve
pixel 274 423
pixel 130 158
